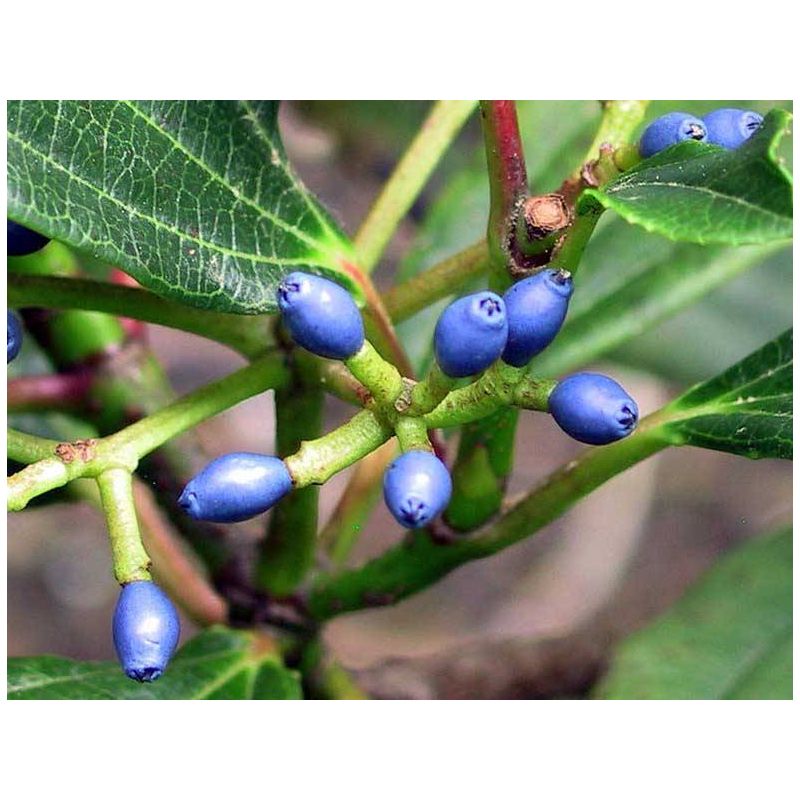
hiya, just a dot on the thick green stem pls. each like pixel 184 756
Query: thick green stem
pixel 318 460
pixel 125 448
pixel 427 394
pixel 146 435
pixel 570 251
pixel 491 391
pixel 443 123
pixel 287 552
pixel 131 562
pixel 446 278
pixel 412 433
pixel 249 336
pixel 380 377
pixel 419 562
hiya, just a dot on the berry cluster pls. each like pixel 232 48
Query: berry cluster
pixel 471 335
pixel 727 127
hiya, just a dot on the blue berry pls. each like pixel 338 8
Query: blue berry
pixel 731 127
pixel 146 630
pixel 14 341
pixel 536 308
pixel 320 315
pixel 671 129
pixel 416 488
pixel 470 334
pixel 23 241
pixel 235 487
pixel 593 408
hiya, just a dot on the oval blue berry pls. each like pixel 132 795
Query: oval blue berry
pixel 320 315
pixel 535 308
pixel 671 129
pixel 14 340
pixel 470 334
pixel 23 241
pixel 593 408
pixel 416 488
pixel 235 487
pixel 731 127
pixel 146 630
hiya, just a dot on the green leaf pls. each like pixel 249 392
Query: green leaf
pixel 747 410
pixel 632 280
pixel 218 664
pixel 729 637
pixel 675 309
pixel 702 193
pixel 195 199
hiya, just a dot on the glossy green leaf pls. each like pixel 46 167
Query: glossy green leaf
pixel 631 280
pixel 218 664
pixel 702 193
pixel 747 410
pixel 195 199
pixel 729 637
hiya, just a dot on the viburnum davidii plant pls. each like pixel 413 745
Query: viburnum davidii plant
pixel 190 216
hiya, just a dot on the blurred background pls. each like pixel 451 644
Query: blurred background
pixel 619 558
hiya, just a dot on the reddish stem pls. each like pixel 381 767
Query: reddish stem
pixel 64 392
pixel 508 179
pixel 504 155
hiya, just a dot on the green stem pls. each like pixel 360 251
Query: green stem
pixel 493 390
pixel 618 123
pixel 249 336
pixel 412 433
pixel 446 278
pixel 267 372
pixel 287 552
pixel 125 448
pixel 318 460
pixel 380 377
pixel 427 394
pixel 418 563
pixel 569 253
pixel 26 448
pixel 443 123
pixel 533 393
pixel 131 562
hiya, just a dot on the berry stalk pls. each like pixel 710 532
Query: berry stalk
pixel 129 558
pixel 437 133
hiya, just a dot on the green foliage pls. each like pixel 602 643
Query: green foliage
pixel 729 637
pixel 195 199
pixel 218 664
pixel 702 193
pixel 746 410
